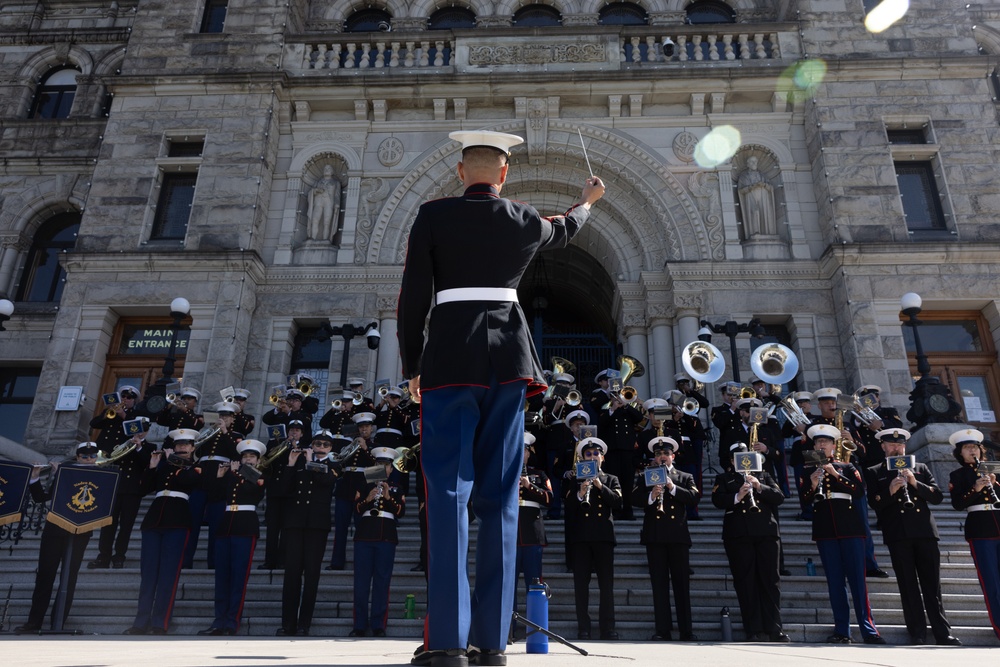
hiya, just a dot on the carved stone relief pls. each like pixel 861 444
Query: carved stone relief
pixel 373 193
pixel 704 186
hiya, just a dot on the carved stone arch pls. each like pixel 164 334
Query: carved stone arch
pixel 594 6
pixel 109 63
pixel 988 39
pixel 663 223
pixel 41 62
pixel 509 7
pixel 306 156
pixel 28 209
pixel 738 5
pixel 424 8
pixel 339 11
pixel 774 146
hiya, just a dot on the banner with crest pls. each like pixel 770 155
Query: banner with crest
pixel 14 478
pixel 82 498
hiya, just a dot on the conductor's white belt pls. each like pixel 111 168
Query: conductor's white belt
pixel 241 508
pixel 835 496
pixel 220 459
pixel 390 430
pixel 383 515
pixel 476 294
pixel 980 508
pixel 167 493
pixel 529 503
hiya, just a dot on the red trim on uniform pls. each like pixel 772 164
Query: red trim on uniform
pixel 427 553
pixel 388 595
pixel 177 577
pixel 246 579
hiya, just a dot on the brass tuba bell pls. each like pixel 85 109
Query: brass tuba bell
pixel 703 361
pixel 774 363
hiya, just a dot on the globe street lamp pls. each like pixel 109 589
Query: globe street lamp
pixel 930 401
pixel 6 310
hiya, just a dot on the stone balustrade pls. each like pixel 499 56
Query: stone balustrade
pixel 354 53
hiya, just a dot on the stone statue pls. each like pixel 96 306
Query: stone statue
pixel 324 207
pixel 757 201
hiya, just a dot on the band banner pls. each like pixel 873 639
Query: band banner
pixel 82 498
pixel 14 479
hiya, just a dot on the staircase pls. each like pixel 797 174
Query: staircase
pixel 106 599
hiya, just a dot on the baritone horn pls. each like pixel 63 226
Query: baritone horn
pixel 559 365
pixel 774 363
pixel 630 368
pixel 703 361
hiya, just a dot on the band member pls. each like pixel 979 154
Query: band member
pixel 799 444
pixel 725 415
pixel 53 548
pixel 659 422
pixel 826 399
pixel 900 498
pixel 182 413
pixel 308 483
pixel 392 423
pixel 207 503
pixel 667 540
pixel 291 409
pixel 692 441
pixel 575 421
pixel 171 477
pixel 237 537
pixel 534 495
pixel 379 507
pixel 340 412
pixel 765 444
pixel 244 422
pixel 478 367
pixel 834 488
pixel 977 494
pixel 126 507
pixel 277 502
pixel 601 394
pixel 592 503
pixel 357 386
pixel 351 483
pixel 111 426
pixel 752 541
pixel 559 440
pixel 868 433
pixel 616 426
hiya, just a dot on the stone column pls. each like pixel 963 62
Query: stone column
pixel 388 365
pixel 663 350
pixel 635 346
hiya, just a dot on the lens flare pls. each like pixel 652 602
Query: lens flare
pixel 802 77
pixel 885 14
pixel 717 147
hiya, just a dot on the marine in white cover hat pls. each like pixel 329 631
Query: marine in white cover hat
pixel 498 140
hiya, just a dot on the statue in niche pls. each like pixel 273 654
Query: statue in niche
pixel 756 201
pixel 324 207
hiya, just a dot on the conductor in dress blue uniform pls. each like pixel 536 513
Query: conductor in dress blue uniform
pixel 752 541
pixel 977 495
pixel 236 538
pixel 171 477
pixel 901 500
pixel 379 507
pixel 839 535
pixel 468 253
pixel 591 503
pixel 667 539
pixel 52 551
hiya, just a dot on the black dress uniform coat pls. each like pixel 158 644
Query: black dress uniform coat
pixel 752 541
pixel 244 423
pixel 617 429
pixel 168 511
pixel 375 528
pixel 872 453
pixel 111 434
pixel 837 518
pixel 531 501
pixel 174 418
pixel 668 544
pixel 592 544
pixel 774 457
pixel 978 525
pixel 276 416
pixel 130 471
pixel 238 491
pixel 469 339
pixel 911 535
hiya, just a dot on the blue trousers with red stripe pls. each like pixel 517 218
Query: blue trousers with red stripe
pixel 372 573
pixel 986 554
pixel 472 445
pixel 844 558
pixel 159 569
pixel 233 555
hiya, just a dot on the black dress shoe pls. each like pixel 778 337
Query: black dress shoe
pixel 609 636
pixel 661 638
pixel 98 564
pixel 785 573
pixel 357 633
pixel 779 638
pixel 302 632
pixel 874 639
pixel 27 629
pixel 489 656
pixel 950 641
pixel 419 567
pixel 689 637
pixel 284 632
pixel 135 631
pixel 917 641
pixel 212 632
pixel 453 657
pixel 583 635
pixel 157 631
pixel 838 639
pixel 265 566
pixel 118 563
pixel 877 573
pixel 333 568
pixel 378 632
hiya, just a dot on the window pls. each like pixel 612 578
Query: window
pixel 907 137
pixel 173 209
pixel 368 20
pixel 312 356
pixel 17 392
pixel 918 191
pixel 452 18
pixel 214 18
pixel 710 11
pixel 537 16
pixel 623 13
pixel 55 94
pixel 43 277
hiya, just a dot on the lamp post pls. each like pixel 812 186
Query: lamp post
pixel 179 309
pixel 6 310
pixel 347 332
pixel 930 401
pixel 731 329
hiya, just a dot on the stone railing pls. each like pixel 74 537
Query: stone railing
pixel 732 45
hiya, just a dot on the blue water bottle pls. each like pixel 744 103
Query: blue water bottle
pixel 810 567
pixel 538 613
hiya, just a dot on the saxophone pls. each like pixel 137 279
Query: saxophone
pixel 843 447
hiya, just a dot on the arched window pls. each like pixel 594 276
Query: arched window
pixel 710 11
pixel 368 20
pixel 43 278
pixel 537 16
pixel 623 13
pixel 54 97
pixel 451 18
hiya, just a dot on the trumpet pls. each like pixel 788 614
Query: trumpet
pixel 383 391
pixel 358 398
pixel 111 412
pixel 336 404
pixel 690 407
pixel 629 393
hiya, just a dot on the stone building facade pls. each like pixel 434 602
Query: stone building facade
pixel 242 106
